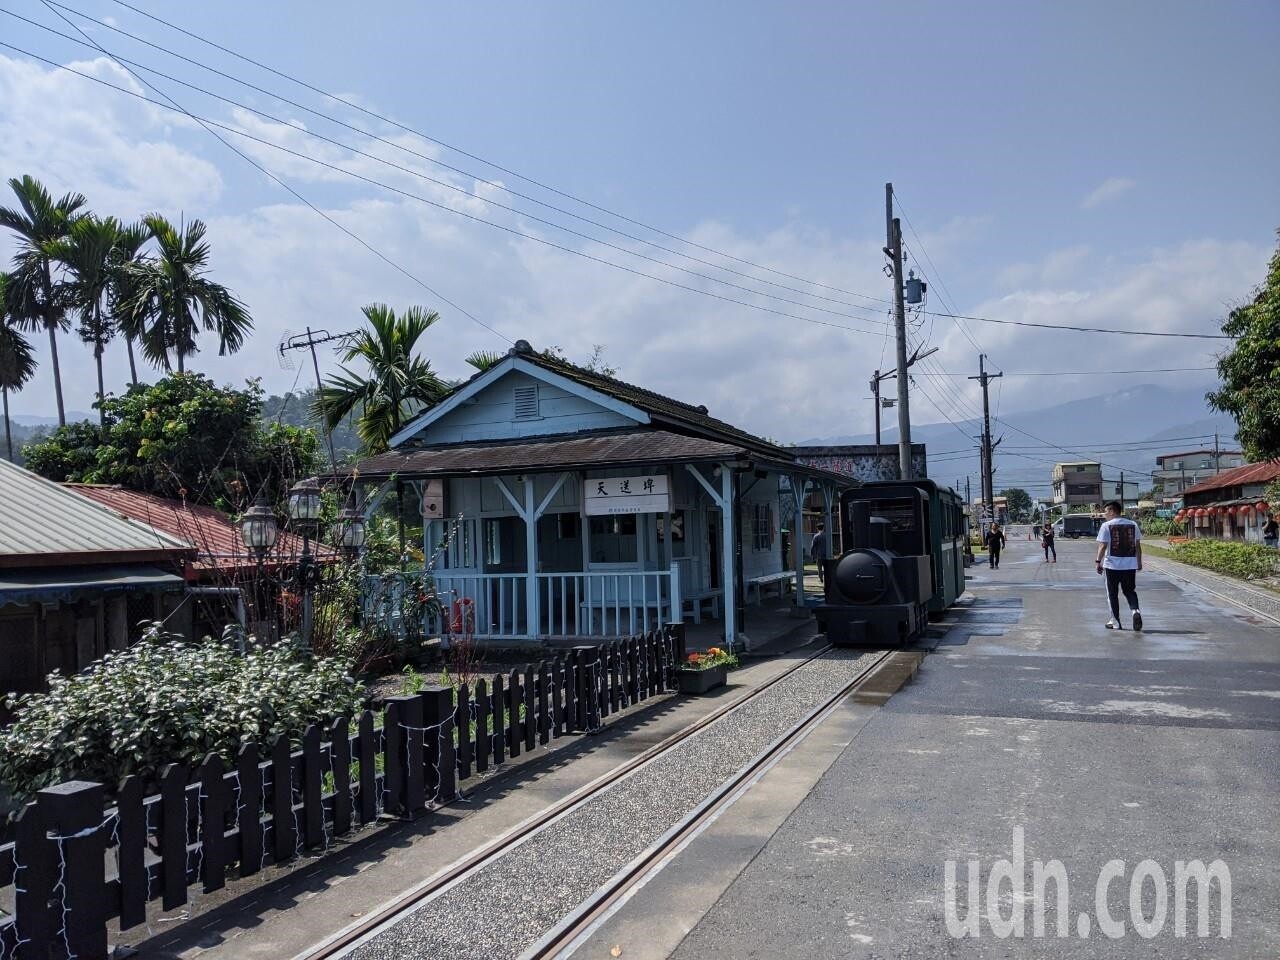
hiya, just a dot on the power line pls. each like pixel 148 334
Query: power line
pixel 401 126
pixel 1079 373
pixel 1078 329
pixel 444 183
pixel 177 107
pixel 210 123
pixel 1065 450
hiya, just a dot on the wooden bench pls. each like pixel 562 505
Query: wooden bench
pixel 696 601
pixel 783 580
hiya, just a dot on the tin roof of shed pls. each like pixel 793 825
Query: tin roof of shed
pixel 43 524
pixel 1239 476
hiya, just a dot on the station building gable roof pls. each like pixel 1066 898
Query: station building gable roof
pixel 611 403
pixel 1248 475
pixel 44 524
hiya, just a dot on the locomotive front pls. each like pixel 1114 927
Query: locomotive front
pixel 876 592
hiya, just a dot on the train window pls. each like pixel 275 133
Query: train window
pixel 900 512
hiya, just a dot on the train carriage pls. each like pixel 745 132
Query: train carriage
pixel 903 562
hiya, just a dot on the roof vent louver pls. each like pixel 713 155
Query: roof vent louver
pixel 526 403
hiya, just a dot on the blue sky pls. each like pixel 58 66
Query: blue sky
pixel 1061 163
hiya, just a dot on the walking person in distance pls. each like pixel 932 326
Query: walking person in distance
pixel 818 550
pixel 1046 541
pixel 1120 559
pixel 995 543
pixel 1271 532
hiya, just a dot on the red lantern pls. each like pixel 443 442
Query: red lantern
pixel 1263 506
pixel 1202 512
pixel 1179 516
pixel 1246 508
pixel 1231 511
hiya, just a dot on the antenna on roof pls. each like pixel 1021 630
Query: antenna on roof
pixel 309 341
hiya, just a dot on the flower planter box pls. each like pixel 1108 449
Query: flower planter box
pixel 700 681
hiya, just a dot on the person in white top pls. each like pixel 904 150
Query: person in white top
pixel 1120 558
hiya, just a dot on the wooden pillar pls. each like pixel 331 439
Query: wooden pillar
pixel 828 495
pixel 797 534
pixel 531 559
pixel 729 566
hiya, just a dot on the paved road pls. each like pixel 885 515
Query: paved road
pixel 1032 720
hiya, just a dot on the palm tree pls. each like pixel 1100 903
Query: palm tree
pixel 33 299
pixel 125 266
pixel 172 299
pixel 17 363
pixel 398 384
pixel 88 253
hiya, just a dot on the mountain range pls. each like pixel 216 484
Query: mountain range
pixel 1124 430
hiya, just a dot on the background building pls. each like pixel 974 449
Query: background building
pixel 1077 484
pixel 1231 505
pixel 1175 473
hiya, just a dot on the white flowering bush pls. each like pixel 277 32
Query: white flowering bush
pixel 165 702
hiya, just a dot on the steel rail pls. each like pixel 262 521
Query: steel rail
pixel 389 912
pixel 574 931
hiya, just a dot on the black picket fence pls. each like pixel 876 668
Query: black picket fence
pixel 211 822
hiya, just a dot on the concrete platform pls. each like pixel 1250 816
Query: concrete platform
pixel 1029 720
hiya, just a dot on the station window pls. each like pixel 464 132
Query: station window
pixel 613 539
pixel 762 527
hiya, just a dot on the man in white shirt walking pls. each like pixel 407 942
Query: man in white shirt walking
pixel 1120 558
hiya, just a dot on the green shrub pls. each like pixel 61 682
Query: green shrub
pixel 166 702
pixel 1248 561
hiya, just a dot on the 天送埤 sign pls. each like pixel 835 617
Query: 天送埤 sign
pixel 616 495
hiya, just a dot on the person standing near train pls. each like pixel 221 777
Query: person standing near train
pixel 1120 559
pixel 818 550
pixel 995 543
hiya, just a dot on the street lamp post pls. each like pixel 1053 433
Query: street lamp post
pixel 304 509
pixel 259 530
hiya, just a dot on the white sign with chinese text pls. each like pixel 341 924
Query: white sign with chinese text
pixel 614 495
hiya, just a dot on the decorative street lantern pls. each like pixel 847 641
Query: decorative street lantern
pixel 258 528
pixel 304 501
pixel 350 529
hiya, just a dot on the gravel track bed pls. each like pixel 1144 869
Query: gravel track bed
pixel 1252 597
pixel 505 907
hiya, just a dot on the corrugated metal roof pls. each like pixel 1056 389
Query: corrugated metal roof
pixel 41 521
pixel 582 451
pixel 213 534
pixel 1239 476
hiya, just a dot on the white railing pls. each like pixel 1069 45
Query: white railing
pixel 608 604
pixel 495 606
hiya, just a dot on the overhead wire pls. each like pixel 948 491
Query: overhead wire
pixel 462 152
pixel 868 313
pixel 209 123
pixel 276 179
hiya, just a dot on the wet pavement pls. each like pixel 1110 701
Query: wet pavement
pixel 1030 728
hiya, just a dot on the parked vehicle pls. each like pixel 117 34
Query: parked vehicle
pixel 1076 525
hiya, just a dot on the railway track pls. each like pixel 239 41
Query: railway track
pixel 384 919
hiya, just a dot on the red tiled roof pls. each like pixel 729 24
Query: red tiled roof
pixel 1250 473
pixel 215 536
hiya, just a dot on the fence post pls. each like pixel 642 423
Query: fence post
pixel 441 759
pixel 33 881
pixel 677 637
pixel 408 714
pixel 583 694
pixel 73 813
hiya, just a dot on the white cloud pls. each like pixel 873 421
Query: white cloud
pixel 1111 188
pixel 777 376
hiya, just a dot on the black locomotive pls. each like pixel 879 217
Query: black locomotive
pixel 903 561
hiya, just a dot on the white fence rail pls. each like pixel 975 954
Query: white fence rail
pixel 495 606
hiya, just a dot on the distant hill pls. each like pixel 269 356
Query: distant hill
pixel 1119 429
pixel 295 410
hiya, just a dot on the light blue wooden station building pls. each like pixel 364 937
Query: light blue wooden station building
pixel 560 504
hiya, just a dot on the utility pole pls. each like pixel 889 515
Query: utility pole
pixel 309 341
pixel 894 251
pixel 988 494
pixel 1217 467
pixel 875 396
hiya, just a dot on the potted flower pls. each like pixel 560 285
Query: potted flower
pixel 701 672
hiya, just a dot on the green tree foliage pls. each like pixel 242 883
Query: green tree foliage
pixel 1019 502
pixel 172 299
pixel 33 299
pixel 164 702
pixel 1250 372
pixel 298 410
pixel 395 385
pixel 17 363
pixel 182 437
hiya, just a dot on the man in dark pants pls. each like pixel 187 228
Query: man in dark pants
pixel 995 543
pixel 818 549
pixel 1120 558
